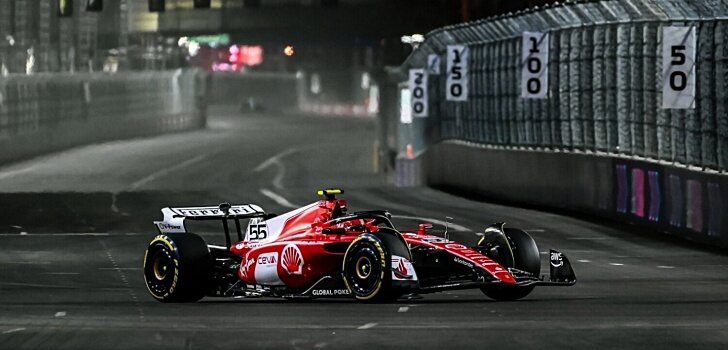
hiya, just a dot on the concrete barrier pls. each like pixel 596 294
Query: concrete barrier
pixel 50 112
pixel 674 200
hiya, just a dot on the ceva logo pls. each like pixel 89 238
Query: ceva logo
pixel 268 259
pixel 292 260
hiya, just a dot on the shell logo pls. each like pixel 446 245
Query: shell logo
pixel 401 270
pixel 292 260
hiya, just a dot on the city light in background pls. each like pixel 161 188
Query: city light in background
pixel 288 50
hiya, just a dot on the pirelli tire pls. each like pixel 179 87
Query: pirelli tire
pixel 526 258
pixel 177 267
pixel 367 270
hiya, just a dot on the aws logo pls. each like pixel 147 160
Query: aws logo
pixel 292 260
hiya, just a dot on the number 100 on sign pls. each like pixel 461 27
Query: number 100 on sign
pixel 534 65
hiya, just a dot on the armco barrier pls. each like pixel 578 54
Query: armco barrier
pixel 50 112
pixel 605 81
pixel 601 141
pixel 679 201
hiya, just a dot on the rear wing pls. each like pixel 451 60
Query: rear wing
pixel 174 218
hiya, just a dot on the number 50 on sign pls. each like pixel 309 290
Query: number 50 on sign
pixel 678 67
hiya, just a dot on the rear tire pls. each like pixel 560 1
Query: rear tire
pixel 177 267
pixel 526 257
pixel 367 270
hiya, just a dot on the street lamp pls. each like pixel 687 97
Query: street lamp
pixel 413 40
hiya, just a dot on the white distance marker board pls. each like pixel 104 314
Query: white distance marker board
pixel 678 67
pixel 418 87
pixel 534 65
pixel 456 85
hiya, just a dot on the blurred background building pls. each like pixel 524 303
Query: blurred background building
pixel 230 35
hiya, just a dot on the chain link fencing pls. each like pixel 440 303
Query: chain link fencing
pixel 604 82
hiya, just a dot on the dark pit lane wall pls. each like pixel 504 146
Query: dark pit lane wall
pixel 606 137
pixel 43 113
pixel 661 197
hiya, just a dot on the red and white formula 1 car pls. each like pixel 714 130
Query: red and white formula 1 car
pixel 320 250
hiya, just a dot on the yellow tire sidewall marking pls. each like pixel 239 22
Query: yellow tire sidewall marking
pixel 383 263
pixel 167 242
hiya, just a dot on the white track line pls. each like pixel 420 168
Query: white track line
pixel 665 267
pixel 274 159
pixel 163 172
pixel 124 280
pixel 368 325
pixel 403 309
pixel 452 226
pixel 11 173
pixel 277 161
pixel 14 330
pixel 277 198
pixel 616 264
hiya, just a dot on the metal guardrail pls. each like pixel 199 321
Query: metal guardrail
pixel 604 82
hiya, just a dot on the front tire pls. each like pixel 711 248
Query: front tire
pixel 177 267
pixel 525 257
pixel 367 270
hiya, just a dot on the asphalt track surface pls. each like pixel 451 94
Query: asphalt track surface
pixel 75 225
